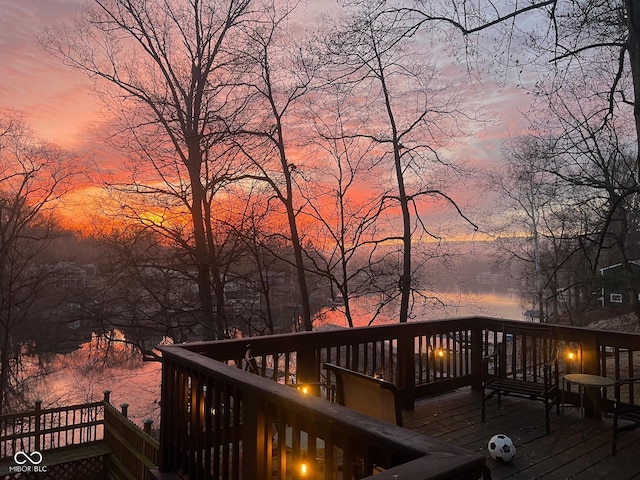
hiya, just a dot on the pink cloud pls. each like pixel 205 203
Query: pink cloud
pixel 55 100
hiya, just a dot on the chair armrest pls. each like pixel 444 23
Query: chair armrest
pixel 551 379
pixel 484 370
pixel 622 381
pixel 495 354
pixel 619 383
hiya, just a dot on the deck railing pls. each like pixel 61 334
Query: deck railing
pixel 223 422
pixel 131 451
pixel 47 429
pixel 215 417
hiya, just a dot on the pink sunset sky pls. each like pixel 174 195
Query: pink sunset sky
pixel 57 101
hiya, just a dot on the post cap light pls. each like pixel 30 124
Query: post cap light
pixel 303 388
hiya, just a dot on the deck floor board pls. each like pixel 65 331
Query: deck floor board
pixel 455 418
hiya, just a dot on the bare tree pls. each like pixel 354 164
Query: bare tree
pixel 533 202
pixel 577 193
pixel 266 270
pixel 601 41
pixel 33 177
pixel 346 217
pixel 167 66
pixel 586 56
pixel 282 74
pixel 256 251
pixel 597 157
pixel 417 114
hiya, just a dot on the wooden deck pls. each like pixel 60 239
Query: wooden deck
pixel 455 418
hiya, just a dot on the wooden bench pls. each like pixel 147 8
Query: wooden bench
pixel 371 396
pixel 540 386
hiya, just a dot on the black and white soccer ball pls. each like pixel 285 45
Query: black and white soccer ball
pixel 501 448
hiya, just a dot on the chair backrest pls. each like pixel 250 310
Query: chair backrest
pixel 524 358
pixel 371 396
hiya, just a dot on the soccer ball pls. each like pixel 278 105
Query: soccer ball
pixel 501 448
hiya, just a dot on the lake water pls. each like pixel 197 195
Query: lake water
pixel 441 305
pixel 83 375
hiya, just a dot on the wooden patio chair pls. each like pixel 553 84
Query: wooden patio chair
pixel 626 416
pixel 541 386
pixel 372 396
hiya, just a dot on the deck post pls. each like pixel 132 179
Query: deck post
pixel 406 370
pixel 307 366
pixel 147 426
pixel 38 426
pixel 476 358
pixel 168 433
pixel 254 433
pixel 355 358
pixel 591 365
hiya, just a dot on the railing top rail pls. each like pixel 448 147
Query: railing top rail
pixel 80 406
pixel 46 411
pixel 294 341
pixel 227 349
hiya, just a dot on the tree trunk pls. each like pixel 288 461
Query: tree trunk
pixel 211 328
pixel 4 372
pixel 633 46
pixel 220 314
pixel 287 170
pixel 405 278
pixel 299 262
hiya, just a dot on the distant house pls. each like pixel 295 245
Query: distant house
pixel 620 285
pixel 486 278
pixel 68 275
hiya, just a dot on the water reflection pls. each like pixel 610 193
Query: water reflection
pixel 104 363
pixel 432 306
